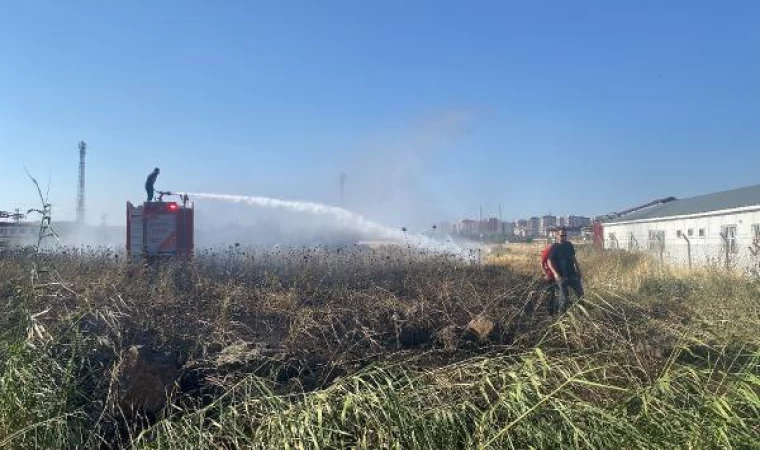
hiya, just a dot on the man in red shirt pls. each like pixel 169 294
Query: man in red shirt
pixel 549 280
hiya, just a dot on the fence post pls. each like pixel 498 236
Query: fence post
pixel 662 248
pixel 754 250
pixel 688 248
pixel 724 236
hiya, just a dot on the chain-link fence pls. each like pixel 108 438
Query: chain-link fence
pixel 730 251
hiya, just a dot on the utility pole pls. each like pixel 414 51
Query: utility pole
pixel 501 223
pixel 726 248
pixel 342 188
pixel 80 191
pixel 481 227
pixel 688 248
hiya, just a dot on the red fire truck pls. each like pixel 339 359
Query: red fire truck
pixel 160 228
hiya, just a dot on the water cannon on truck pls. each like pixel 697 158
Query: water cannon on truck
pixel 161 228
pixel 598 225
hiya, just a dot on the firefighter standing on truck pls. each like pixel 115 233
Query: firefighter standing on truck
pixel 150 182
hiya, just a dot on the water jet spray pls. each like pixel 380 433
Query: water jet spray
pixel 344 218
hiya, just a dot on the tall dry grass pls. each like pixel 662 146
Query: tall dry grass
pixel 350 354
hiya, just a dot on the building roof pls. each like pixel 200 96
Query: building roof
pixel 735 198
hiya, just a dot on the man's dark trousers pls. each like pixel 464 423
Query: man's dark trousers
pixel 550 294
pixel 565 284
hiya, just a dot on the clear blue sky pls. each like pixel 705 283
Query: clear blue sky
pixel 438 107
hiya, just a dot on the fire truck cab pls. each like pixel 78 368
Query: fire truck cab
pixel 160 228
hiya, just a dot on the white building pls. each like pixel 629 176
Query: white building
pixel 721 229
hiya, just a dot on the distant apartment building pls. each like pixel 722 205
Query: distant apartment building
pixel 578 221
pixel 521 228
pixel 486 228
pixel 467 227
pixel 547 222
pixel 490 226
pixel 534 227
pixel 444 228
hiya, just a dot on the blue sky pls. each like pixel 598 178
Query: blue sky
pixel 431 108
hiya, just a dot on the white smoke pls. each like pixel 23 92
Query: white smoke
pixel 343 218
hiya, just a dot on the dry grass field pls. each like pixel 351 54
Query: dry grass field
pixel 372 348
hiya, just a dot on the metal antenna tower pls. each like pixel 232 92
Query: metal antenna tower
pixel 80 191
pixel 342 188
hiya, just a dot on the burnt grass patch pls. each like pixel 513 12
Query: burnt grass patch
pixel 300 317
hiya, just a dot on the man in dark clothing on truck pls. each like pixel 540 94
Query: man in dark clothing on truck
pixel 564 265
pixel 150 182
